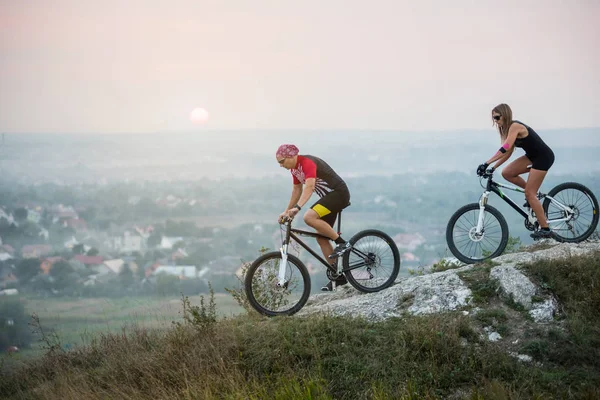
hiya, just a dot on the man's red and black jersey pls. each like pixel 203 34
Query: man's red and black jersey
pixel 313 167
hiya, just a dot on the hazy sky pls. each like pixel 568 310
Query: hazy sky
pixel 143 65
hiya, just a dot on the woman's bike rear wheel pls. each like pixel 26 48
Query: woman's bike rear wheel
pixel 373 262
pixel 265 294
pixel 470 247
pixel 582 222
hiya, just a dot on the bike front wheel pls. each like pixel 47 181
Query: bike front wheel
pixel 264 292
pixel 373 262
pixel 469 246
pixel 580 220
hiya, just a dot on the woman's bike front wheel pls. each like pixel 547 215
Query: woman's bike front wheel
pixel 373 262
pixel 264 291
pixel 469 246
pixel 577 222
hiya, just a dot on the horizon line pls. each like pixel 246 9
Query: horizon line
pixel 276 130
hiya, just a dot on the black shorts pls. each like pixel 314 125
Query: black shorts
pixel 542 161
pixel 329 206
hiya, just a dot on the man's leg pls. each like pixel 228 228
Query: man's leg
pixel 325 244
pixel 323 223
pixel 312 219
pixel 326 248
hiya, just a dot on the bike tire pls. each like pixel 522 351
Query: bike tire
pixel 477 253
pixel 583 201
pixel 378 252
pixel 273 294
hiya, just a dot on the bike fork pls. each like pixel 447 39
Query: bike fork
pixel 482 202
pixel 283 265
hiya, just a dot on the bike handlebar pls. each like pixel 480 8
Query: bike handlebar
pixel 285 220
pixel 488 174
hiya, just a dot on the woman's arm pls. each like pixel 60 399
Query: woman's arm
pixel 504 158
pixel 508 145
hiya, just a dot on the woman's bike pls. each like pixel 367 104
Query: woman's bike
pixel 478 231
pixel 278 283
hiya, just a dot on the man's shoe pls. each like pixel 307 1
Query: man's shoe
pixel 544 234
pixel 338 282
pixel 340 249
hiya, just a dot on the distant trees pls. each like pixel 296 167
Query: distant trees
pixel 63 274
pixel 126 278
pixel 20 214
pixel 167 285
pixel 14 324
pixel 154 239
pixel 78 249
pixel 27 269
pixel 181 228
pixel 28 229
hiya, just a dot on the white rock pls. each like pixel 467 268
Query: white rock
pixel 514 283
pixel 544 312
pixel 521 357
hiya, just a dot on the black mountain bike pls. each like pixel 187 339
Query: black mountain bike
pixel 278 283
pixel 478 231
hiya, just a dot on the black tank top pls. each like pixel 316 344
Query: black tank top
pixel 533 144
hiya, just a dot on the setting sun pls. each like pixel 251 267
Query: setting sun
pixel 199 115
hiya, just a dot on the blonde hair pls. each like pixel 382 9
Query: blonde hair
pixel 506 113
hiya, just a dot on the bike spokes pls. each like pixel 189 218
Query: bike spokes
pixel 469 245
pixel 572 212
pixel 269 296
pixel 373 262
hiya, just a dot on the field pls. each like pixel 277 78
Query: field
pixel 77 321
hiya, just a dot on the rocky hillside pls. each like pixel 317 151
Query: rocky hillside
pixel 501 284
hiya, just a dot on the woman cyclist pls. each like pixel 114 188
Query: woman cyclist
pixel 537 161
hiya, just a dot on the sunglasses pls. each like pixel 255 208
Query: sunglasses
pixel 281 161
pixel 497 117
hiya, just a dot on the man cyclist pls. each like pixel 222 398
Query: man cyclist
pixel 311 174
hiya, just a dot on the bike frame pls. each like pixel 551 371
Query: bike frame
pixel 494 187
pixel 291 233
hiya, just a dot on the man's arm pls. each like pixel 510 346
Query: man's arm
pixel 309 188
pixel 296 193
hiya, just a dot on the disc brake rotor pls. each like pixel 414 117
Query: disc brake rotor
pixel 474 236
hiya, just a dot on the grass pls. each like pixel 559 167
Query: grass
pixel 575 282
pixel 319 357
pixel 483 288
pixel 252 358
pixel 495 318
pixel 316 357
pixel 77 322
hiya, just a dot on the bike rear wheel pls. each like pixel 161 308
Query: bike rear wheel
pixel 262 289
pixel 584 219
pixel 463 240
pixel 373 262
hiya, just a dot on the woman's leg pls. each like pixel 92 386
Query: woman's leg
pixel 536 177
pixel 512 171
